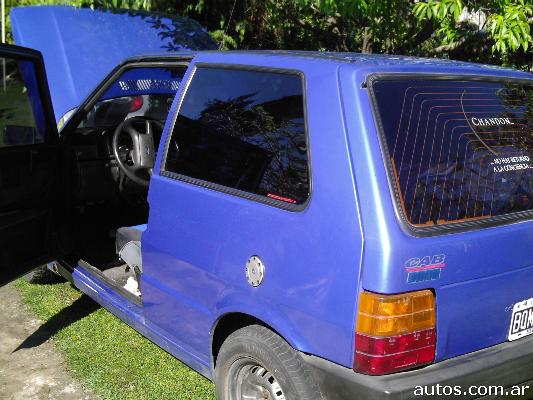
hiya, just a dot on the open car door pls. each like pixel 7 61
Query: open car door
pixel 29 149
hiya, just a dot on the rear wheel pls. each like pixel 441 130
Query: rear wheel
pixel 256 364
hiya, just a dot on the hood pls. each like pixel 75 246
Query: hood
pixel 81 46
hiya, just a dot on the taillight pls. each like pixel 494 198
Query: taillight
pixel 394 332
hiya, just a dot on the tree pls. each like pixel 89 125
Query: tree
pixel 502 25
pixel 494 31
pixel 490 31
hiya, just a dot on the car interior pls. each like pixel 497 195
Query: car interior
pixel 111 152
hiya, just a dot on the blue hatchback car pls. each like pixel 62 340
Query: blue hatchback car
pixel 292 225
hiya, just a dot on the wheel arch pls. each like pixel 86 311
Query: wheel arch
pixel 231 321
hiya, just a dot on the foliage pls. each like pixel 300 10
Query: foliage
pixel 490 31
pixel 504 23
pixel 511 29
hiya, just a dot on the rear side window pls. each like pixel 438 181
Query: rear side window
pixel 459 150
pixel 244 130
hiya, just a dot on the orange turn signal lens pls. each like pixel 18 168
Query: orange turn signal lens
pixel 389 315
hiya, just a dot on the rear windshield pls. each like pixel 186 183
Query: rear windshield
pixel 459 150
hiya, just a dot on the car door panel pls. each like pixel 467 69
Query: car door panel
pixel 29 149
pixel 24 174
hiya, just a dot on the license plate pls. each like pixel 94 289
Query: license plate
pixel 522 320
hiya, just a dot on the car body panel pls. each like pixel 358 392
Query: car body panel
pixel 81 46
pixel 484 267
pixel 195 251
pixel 132 314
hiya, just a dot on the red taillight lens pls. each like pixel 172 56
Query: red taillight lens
pixel 394 332
pixel 136 103
pixel 378 356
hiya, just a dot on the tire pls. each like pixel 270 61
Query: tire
pixel 255 362
pixel 42 275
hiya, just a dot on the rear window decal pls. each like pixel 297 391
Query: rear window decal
pixel 149 84
pixel 491 121
pixel 146 80
pixel 506 164
pixel 459 150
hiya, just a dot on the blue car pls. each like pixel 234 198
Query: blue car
pixel 291 225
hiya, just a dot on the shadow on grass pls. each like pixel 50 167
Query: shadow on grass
pixel 79 309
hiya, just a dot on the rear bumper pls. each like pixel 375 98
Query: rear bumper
pixel 474 375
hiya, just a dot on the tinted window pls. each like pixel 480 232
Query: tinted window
pixel 460 150
pixel 244 130
pixel 21 118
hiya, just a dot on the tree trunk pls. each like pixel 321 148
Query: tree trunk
pixel 367 40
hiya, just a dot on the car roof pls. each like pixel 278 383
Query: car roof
pixel 366 63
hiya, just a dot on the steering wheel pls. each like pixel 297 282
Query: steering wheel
pixel 139 159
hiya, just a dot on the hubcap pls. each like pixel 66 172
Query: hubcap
pixel 251 381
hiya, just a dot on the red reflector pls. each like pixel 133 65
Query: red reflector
pixel 281 198
pixel 384 355
pixel 136 103
pixel 395 344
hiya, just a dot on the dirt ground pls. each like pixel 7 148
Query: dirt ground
pixel 30 368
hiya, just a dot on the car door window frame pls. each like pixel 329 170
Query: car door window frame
pixel 92 99
pixel 226 189
pixel 33 56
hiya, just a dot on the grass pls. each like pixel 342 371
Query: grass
pixel 106 355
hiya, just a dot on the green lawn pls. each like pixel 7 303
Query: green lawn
pixel 105 354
